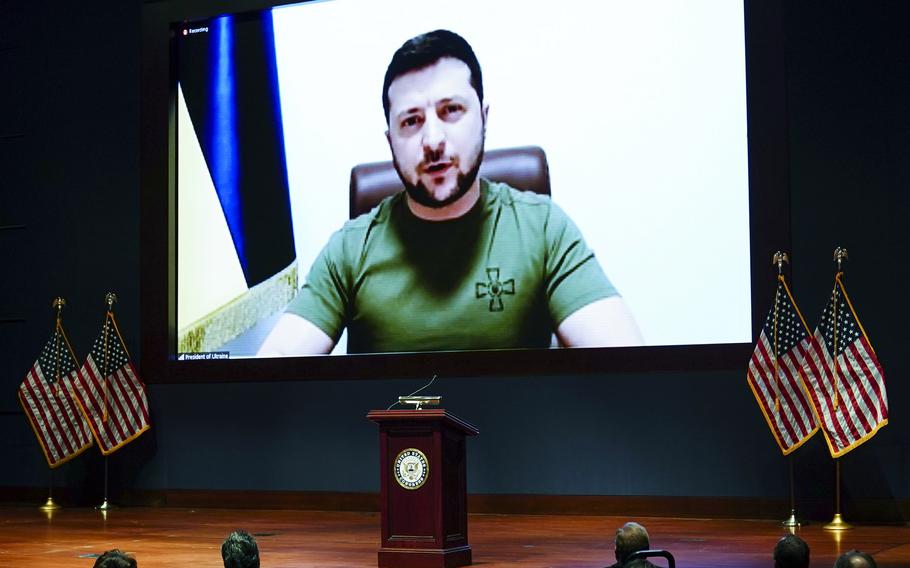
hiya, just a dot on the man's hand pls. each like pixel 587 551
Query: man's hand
pixel 293 335
pixel 604 323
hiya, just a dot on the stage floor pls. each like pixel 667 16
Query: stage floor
pixel 192 537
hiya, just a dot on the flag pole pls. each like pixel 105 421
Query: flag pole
pixel 792 521
pixel 106 505
pixel 837 523
pixel 50 505
pixel 110 298
pixel 779 259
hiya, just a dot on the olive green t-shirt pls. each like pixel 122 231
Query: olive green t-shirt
pixel 504 275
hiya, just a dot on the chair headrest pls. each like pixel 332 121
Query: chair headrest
pixel 523 168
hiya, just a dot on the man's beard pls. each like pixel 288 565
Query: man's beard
pixel 422 194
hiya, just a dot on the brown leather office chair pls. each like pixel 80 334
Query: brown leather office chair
pixel 523 168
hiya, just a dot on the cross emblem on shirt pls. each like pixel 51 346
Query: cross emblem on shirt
pixel 494 289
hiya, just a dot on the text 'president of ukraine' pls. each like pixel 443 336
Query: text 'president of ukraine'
pixel 456 261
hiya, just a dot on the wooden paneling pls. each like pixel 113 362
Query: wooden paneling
pixel 746 508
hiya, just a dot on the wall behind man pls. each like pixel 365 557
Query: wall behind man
pixel 848 81
pixel 69 215
pixel 69 201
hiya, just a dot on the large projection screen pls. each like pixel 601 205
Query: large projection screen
pixel 640 107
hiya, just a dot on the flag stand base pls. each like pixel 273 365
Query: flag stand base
pixel 792 521
pixel 49 505
pixel 105 506
pixel 837 524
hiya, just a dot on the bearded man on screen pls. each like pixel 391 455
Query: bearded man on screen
pixel 455 262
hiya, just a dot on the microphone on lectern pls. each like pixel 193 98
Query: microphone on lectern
pixel 418 401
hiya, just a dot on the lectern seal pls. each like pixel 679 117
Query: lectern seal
pixel 411 468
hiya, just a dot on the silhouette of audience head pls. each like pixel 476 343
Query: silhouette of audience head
pixel 115 559
pixel 791 552
pixel 631 537
pixel 855 559
pixel 239 550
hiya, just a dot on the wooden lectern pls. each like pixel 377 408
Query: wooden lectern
pixel 423 495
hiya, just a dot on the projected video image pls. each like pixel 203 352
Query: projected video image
pixel 353 181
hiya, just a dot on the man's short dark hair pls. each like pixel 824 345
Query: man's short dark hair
pixel 115 559
pixel 855 559
pixel 426 49
pixel 791 552
pixel 239 550
pixel 631 537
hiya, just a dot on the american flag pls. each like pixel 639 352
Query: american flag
pixel 775 373
pixel 60 428
pixel 849 395
pixel 110 392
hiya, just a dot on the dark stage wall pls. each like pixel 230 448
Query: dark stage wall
pixel 69 216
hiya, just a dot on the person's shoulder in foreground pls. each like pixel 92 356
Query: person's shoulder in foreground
pixel 240 550
pixel 791 552
pixel 115 559
pixel 630 538
pixel 855 559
